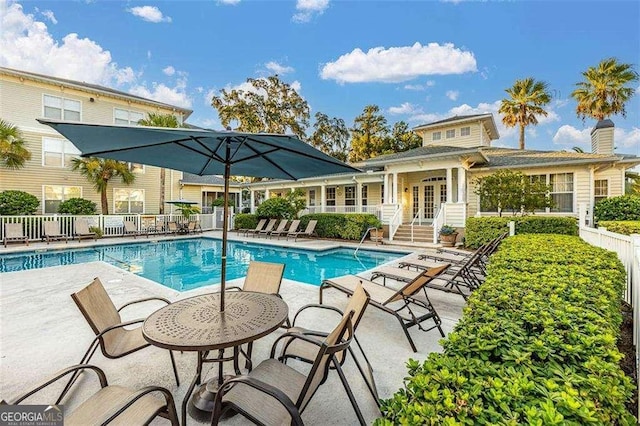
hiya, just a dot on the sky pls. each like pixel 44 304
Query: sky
pixel 419 61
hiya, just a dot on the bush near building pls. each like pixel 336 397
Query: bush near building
pixel 536 344
pixel 346 226
pixel 481 230
pixel 17 203
pixel 624 207
pixel 245 221
pixel 626 227
pixel 77 206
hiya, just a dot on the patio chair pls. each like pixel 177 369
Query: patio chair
pixel 112 403
pixel 52 232
pixel 308 232
pixel 279 228
pixel 275 394
pixel 400 303
pixel 172 228
pixel 14 232
pixel 81 227
pixel 292 228
pixel 193 226
pixel 270 225
pixel 258 227
pixel 113 339
pixel 130 228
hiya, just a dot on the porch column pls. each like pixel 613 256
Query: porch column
pixel 395 189
pixel 449 185
pixel 358 197
pixel 323 197
pixel 462 185
pixel 386 189
pixel 252 201
pixel 266 194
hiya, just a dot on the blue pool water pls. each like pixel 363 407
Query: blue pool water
pixel 187 264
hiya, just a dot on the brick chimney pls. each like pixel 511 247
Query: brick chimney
pixel 602 137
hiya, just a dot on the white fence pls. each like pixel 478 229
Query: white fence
pixel 342 209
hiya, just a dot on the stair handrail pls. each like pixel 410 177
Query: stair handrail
pixel 438 221
pixel 362 239
pixel 394 222
pixel 419 217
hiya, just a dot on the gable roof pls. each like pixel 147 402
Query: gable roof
pixel 191 179
pixel 423 151
pixel 486 119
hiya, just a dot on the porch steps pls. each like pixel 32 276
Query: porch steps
pixel 421 234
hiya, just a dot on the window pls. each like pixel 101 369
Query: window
pixel 465 131
pixel 128 200
pixel 136 168
pixel 58 152
pixel 436 136
pixel 350 195
pixel 382 194
pixel 61 108
pixel 414 198
pixel 365 194
pixel 600 190
pixel 312 197
pixel 331 196
pixel 54 195
pixel 562 192
pixel 451 134
pixel 123 116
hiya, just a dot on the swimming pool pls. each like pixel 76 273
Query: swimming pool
pixel 191 263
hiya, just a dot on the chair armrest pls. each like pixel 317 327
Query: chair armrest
pixel 236 288
pixel 60 374
pixel 270 390
pixel 291 336
pixel 147 299
pixel 123 405
pixel 122 324
pixel 314 305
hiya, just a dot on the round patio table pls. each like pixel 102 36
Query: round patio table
pixel 196 324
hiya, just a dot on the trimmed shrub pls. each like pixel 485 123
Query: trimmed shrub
pixel 17 203
pixel 481 230
pixel 219 202
pixel 626 227
pixel 245 221
pixel 624 207
pixel 276 208
pixel 536 344
pixel 77 206
pixel 350 226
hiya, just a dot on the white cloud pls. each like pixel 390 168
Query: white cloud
pixel 149 14
pixel 297 86
pixel 28 45
pixel 627 138
pixel 405 108
pixel 569 135
pixel 209 95
pixel 50 16
pixel 420 87
pixel 247 87
pixel 229 2
pixel 453 94
pixel 169 71
pixel 277 68
pixel 162 93
pixel 398 64
pixel 308 9
pixel 148 54
pixel 638 90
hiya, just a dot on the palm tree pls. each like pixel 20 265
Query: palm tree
pixel 525 102
pixel 605 90
pixel 13 154
pixel 160 120
pixel 100 171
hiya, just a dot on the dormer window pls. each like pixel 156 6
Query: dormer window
pixel 436 136
pixel 451 134
pixel 465 131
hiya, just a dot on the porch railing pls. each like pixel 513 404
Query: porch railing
pixel 395 222
pixel 417 217
pixel 438 221
pixel 375 210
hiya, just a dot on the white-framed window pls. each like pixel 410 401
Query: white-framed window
pixel 58 152
pixel 600 190
pixel 350 195
pixel 451 133
pixel 53 195
pixel 124 116
pixel 128 200
pixel 137 168
pixel 465 131
pixel 365 194
pixel 61 108
pixel 312 197
pixel 331 196
pixel 561 192
pixel 382 193
pixel 436 136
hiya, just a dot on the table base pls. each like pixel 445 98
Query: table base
pixel 201 402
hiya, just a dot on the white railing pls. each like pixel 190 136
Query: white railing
pixel 438 221
pixel 417 217
pixel 395 222
pixel 375 210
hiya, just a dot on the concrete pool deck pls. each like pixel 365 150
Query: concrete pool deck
pixel 42 331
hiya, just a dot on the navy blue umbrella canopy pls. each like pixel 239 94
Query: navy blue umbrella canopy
pixel 203 152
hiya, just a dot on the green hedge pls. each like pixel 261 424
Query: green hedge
pixel 626 227
pixel 245 221
pixel 536 344
pixel 350 226
pixel 624 207
pixel 480 230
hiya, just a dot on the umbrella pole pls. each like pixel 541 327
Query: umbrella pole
pixel 225 225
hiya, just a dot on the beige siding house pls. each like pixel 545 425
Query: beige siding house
pixel 25 96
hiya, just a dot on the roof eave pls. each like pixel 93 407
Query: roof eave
pixel 555 164
pixel 426 157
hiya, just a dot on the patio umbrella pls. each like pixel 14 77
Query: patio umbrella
pixel 181 201
pixel 203 152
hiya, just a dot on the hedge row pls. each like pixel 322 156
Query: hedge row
pixel 480 230
pixel 626 227
pixel 245 221
pixel 350 226
pixel 536 344
pixel 623 207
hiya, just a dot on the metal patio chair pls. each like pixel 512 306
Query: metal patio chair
pixel 81 227
pixel 52 232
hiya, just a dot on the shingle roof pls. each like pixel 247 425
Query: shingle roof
pixel 189 178
pixel 454 118
pixel 507 157
pixel 419 152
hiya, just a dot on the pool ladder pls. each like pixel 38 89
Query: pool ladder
pixel 362 239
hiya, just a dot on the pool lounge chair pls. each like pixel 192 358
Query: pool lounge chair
pixel 172 228
pixel 268 228
pixel 308 232
pixel 279 228
pixel 14 232
pixel 292 228
pixel 193 226
pixel 402 304
pixel 130 228
pixel 258 227
pixel 52 232
pixel 81 227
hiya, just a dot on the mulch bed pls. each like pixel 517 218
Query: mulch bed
pixel 627 348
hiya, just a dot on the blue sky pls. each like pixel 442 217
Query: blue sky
pixel 418 61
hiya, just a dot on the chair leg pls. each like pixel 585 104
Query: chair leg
pixel 370 385
pixel 406 333
pixel 248 364
pixel 347 389
pixel 175 370
pixel 85 359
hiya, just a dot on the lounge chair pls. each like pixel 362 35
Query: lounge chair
pixel 401 303
pixel 130 228
pixel 113 339
pixel 279 228
pixel 292 228
pixel 275 394
pixel 14 232
pixel 81 227
pixel 172 228
pixel 112 403
pixel 308 232
pixel 270 225
pixel 258 227
pixel 193 226
pixel 52 232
